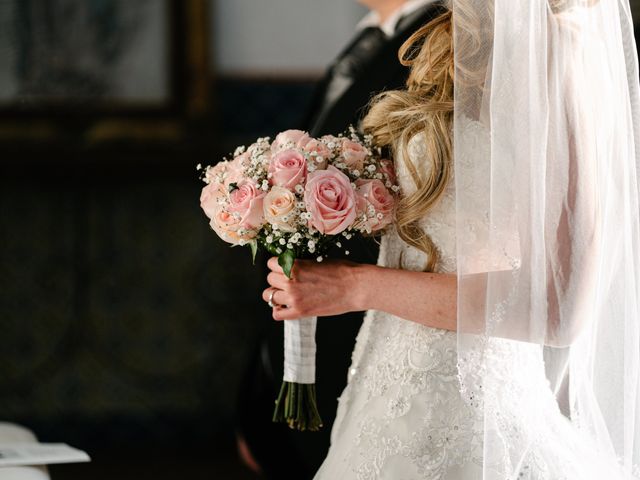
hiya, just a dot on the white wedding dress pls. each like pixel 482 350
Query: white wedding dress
pixel 403 414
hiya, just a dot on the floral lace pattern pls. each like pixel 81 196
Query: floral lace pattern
pixel 407 414
pixel 402 410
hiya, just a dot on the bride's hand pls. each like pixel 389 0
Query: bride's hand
pixel 331 287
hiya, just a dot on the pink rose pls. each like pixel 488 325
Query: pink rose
pixel 330 139
pixel 211 197
pixel 318 151
pixel 387 168
pixel 215 192
pixel 289 139
pixel 236 168
pixel 354 154
pixel 246 201
pixel 288 169
pixel 330 200
pixel 215 173
pixel 227 226
pixel 279 205
pixel 376 202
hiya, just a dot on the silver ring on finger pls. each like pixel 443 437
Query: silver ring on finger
pixel 270 302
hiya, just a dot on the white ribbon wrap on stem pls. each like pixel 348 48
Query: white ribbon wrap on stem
pixel 300 350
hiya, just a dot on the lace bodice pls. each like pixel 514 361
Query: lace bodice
pixel 405 413
pixel 396 360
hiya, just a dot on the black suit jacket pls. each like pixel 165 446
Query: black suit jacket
pixel 382 71
pixel 284 453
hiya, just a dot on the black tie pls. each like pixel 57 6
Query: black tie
pixel 363 47
pixel 350 63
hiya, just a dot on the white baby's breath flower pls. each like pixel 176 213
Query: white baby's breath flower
pixel 371 168
pixel 282 241
pixel 290 246
pixel 299 189
pixel 319 259
pixel 239 151
pixel 269 239
pixel 346 252
pixel 395 188
pixel 311 244
pixel 356 173
pixel 199 166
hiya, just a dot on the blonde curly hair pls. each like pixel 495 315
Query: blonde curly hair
pixel 426 106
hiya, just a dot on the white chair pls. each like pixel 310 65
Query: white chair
pixel 11 433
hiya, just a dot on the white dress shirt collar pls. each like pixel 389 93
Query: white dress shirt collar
pixel 388 27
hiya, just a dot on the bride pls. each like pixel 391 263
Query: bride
pixel 502 337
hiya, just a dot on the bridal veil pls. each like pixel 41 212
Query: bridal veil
pixel 548 247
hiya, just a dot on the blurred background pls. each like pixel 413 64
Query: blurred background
pixel 125 323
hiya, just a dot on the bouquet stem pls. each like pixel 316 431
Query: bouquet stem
pixel 296 404
pixel 297 407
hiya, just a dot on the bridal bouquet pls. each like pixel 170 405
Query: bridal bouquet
pixel 296 197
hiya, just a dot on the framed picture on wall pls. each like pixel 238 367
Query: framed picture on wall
pixel 92 59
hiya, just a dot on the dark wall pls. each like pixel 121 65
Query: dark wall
pixel 124 320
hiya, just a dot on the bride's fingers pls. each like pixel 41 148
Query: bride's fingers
pixel 273 265
pixel 282 313
pixel 277 280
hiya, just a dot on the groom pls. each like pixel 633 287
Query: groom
pixel 368 65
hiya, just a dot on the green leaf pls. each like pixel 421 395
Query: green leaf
pixel 233 186
pixel 285 260
pixel 253 244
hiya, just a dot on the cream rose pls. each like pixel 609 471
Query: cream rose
pixel 279 205
pixel 227 226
